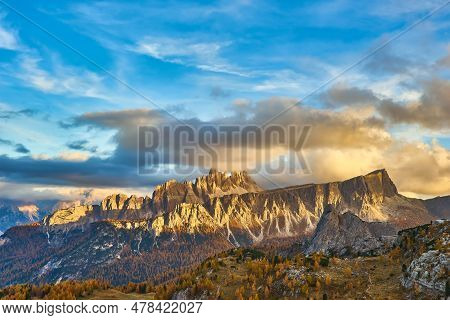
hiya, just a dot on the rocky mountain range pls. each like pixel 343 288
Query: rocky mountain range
pixel 218 201
pixel 137 238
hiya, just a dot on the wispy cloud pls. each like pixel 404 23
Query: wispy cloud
pixel 9 38
pixel 59 78
pixel 286 81
pixel 201 55
pixel 116 13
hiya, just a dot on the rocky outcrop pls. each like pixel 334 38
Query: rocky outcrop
pixel 113 202
pixel 430 270
pixel 348 235
pixel 66 204
pixel 426 251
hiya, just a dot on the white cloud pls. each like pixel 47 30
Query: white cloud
pixel 286 81
pixel 201 55
pixel 306 76
pixel 8 40
pixel 8 37
pixel 60 79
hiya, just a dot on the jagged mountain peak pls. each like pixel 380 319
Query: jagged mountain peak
pixel 166 185
pixel 113 202
pixel 376 183
pixel 214 178
pixel 377 171
pixel 215 184
pixel 381 181
pixel 236 182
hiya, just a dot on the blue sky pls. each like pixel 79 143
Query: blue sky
pixel 203 60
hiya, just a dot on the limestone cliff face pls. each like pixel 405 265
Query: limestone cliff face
pixel 85 213
pixel 127 208
pixel 188 218
pixel 165 199
pixel 113 202
pixel 117 206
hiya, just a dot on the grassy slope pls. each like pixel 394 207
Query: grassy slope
pixel 361 278
pixel 114 294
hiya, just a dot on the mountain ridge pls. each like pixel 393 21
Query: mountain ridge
pixel 372 189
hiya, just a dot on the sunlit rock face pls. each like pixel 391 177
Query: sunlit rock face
pixel 117 206
pixel 164 200
pixel 71 215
